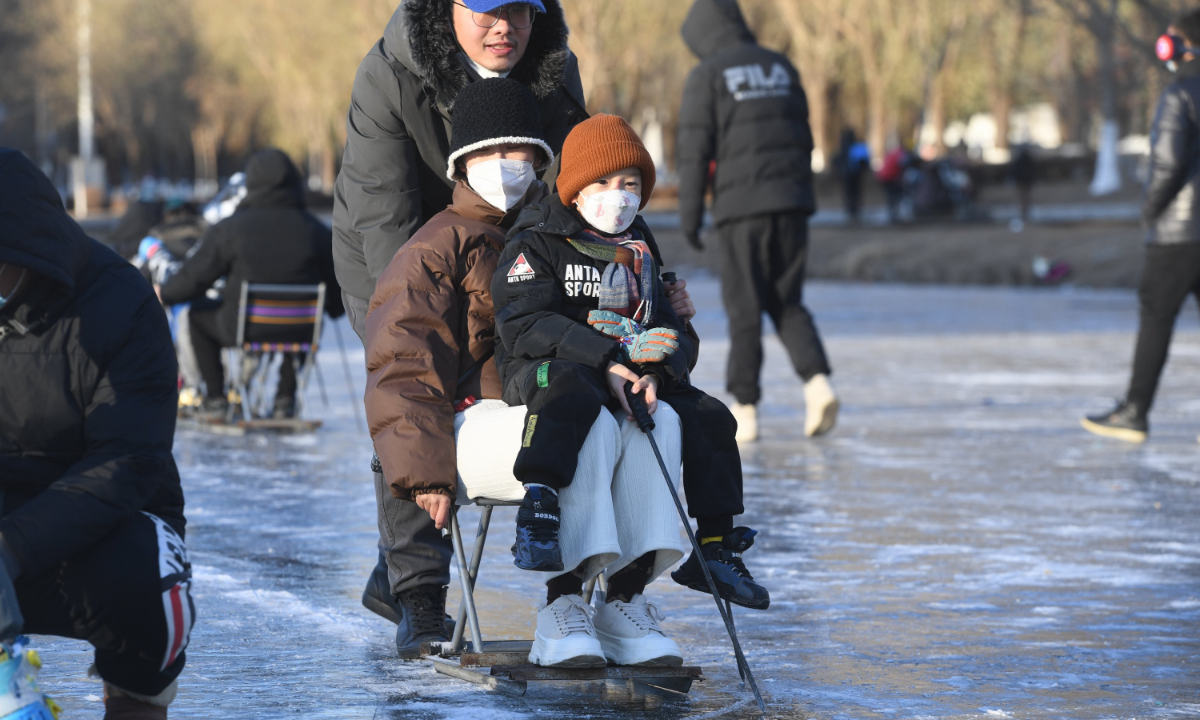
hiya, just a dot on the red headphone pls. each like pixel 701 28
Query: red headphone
pixel 1172 48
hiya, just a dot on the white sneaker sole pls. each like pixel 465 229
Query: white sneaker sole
pixel 570 652
pixel 1131 436
pixel 653 651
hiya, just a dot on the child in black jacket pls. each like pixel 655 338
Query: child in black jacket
pixel 580 311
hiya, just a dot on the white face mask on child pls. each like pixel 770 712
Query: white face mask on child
pixel 501 182
pixel 611 211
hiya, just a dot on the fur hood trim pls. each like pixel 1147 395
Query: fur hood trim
pixel 421 37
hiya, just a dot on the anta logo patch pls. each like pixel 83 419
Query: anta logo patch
pixel 581 281
pixel 521 270
pixel 751 82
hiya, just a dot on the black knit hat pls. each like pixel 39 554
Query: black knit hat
pixel 495 111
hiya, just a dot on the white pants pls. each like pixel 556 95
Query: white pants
pixel 615 510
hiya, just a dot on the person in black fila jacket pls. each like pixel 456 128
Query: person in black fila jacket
pixel 1171 212
pixel 91 533
pixel 580 311
pixel 743 106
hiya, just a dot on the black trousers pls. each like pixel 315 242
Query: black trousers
pixel 128 595
pixel 762 269
pixel 411 545
pixel 565 398
pixel 207 340
pixel 1172 272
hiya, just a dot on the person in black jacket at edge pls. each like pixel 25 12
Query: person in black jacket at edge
pixel 743 106
pixel 270 238
pixel 91 533
pixel 393 179
pixel 1171 212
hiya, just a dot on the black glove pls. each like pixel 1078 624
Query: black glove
pixel 693 239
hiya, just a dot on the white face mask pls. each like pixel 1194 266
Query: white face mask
pixel 611 211
pixel 501 182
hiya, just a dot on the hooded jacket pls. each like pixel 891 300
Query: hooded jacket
pixel 544 289
pixel 1171 209
pixel 271 238
pixel 393 176
pixel 430 323
pixel 743 106
pixel 87 383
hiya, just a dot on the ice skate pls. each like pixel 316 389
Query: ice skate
pixel 724 559
pixel 22 700
pixel 1124 422
pixel 565 636
pixel 821 406
pixel 537 545
pixel 746 416
pixel 630 635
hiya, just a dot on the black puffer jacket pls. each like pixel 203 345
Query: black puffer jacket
pixel 743 106
pixel 87 383
pixel 543 313
pixel 1171 209
pixel 271 238
pixel 393 176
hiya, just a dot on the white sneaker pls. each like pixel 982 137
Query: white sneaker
pixel 565 636
pixel 747 422
pixel 630 635
pixel 821 406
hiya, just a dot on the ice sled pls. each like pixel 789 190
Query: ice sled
pixel 503 665
pixel 273 320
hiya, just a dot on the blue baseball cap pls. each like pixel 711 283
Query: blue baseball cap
pixel 483 6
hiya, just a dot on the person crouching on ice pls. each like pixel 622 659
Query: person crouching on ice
pixel 580 312
pixel 441 430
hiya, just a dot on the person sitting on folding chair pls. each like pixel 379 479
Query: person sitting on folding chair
pixel 437 420
pixel 271 238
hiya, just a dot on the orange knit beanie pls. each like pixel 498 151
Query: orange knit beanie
pixel 597 147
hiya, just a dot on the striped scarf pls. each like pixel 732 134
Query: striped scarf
pixel 627 285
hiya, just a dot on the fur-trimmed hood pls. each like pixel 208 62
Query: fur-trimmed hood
pixel 421 38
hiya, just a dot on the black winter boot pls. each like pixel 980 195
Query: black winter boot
pixel 423 620
pixel 724 560
pixel 377 597
pixel 1124 422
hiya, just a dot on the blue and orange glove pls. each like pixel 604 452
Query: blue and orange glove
pixel 612 324
pixel 653 346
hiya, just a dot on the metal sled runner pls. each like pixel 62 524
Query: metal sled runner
pixel 507 661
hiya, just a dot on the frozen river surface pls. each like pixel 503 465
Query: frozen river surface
pixel 958 548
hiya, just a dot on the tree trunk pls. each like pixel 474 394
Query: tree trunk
pixel 1107 178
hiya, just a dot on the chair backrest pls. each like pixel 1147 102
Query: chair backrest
pixel 280 318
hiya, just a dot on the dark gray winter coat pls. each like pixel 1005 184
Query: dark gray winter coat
pixel 87 383
pixel 393 176
pixel 743 106
pixel 1171 208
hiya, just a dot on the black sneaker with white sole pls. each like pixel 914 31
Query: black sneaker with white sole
pixel 1124 422
pixel 537 545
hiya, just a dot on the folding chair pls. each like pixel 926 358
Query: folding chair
pixel 275 319
pixel 508 660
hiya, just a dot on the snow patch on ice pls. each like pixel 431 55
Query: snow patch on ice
pixel 281 604
pixel 1189 604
